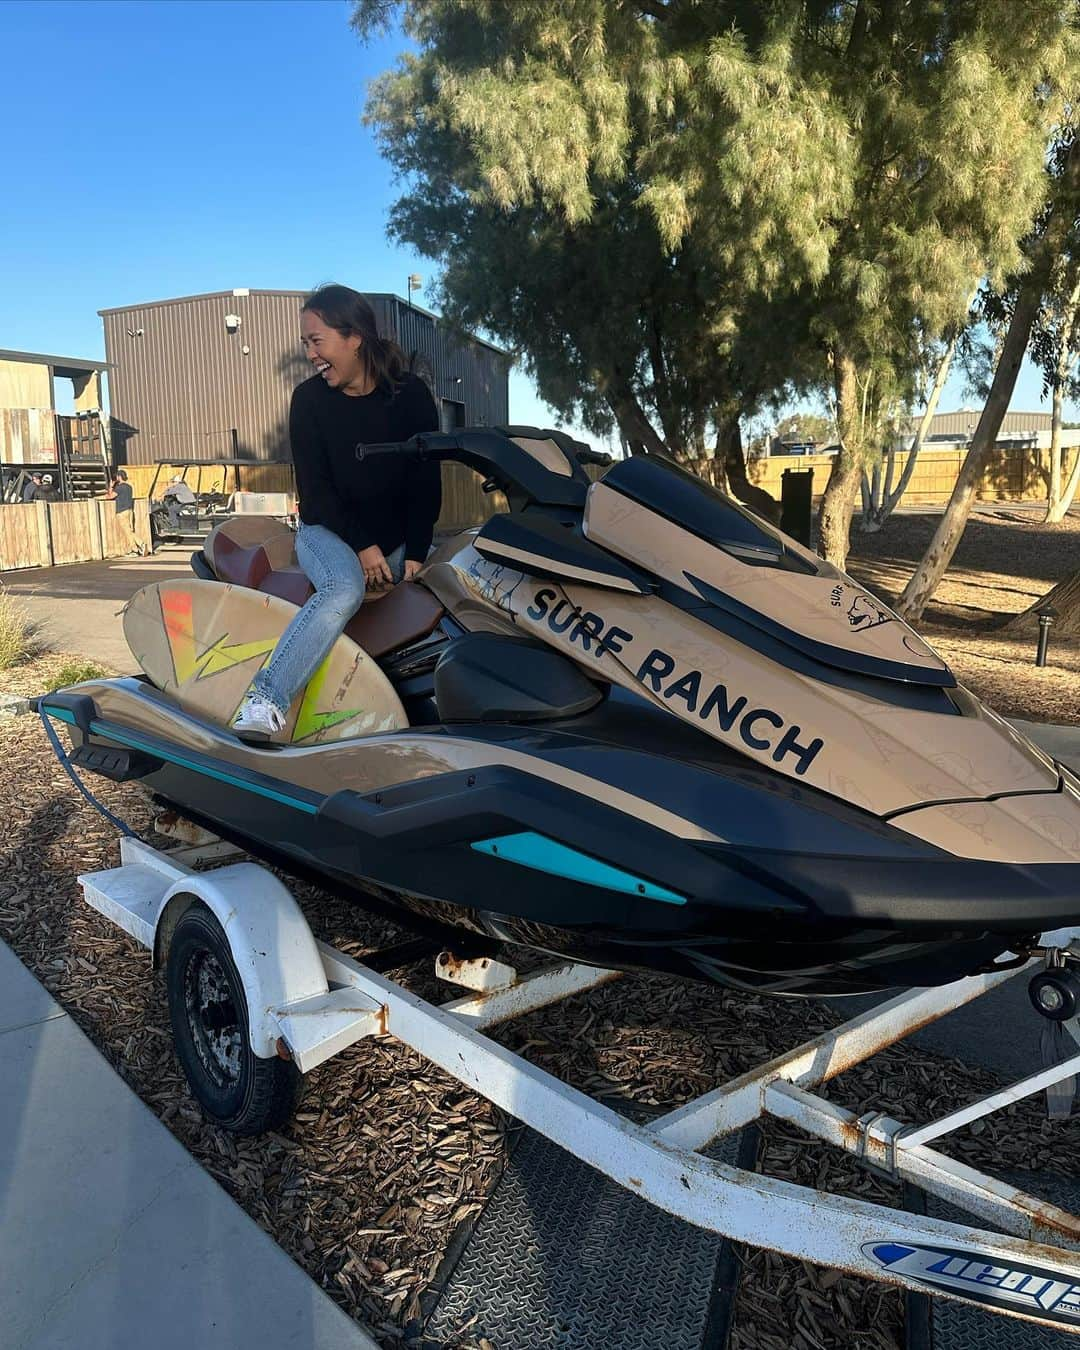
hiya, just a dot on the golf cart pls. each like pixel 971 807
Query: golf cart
pixel 190 515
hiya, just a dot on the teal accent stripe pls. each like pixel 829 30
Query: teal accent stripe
pixel 125 738
pixel 548 855
pixel 61 714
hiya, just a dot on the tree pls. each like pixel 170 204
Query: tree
pixel 676 211
pixel 951 123
pixel 880 496
pixel 805 426
pixel 536 142
pixel 1063 600
pixel 1054 348
pixel 1046 244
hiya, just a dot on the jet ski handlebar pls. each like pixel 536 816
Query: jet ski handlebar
pixel 495 452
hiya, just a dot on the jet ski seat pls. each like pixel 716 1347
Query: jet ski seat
pixel 258 552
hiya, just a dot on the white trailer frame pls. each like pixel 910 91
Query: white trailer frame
pixel 308 1001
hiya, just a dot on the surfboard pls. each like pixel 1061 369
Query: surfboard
pixel 203 642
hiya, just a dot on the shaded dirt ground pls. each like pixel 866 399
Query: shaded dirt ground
pixel 387 1156
pixel 1005 562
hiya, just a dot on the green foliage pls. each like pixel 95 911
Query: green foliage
pixel 806 426
pixel 675 212
pixel 75 672
pixel 18 632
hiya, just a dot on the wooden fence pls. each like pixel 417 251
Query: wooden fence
pixel 254 477
pixel 1013 474
pixel 1018 473
pixel 42 534
pixel 464 501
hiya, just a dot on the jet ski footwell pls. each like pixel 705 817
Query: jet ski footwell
pixel 304 1001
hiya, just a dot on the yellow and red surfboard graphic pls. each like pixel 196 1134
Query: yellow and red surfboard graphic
pixel 189 661
pixel 204 642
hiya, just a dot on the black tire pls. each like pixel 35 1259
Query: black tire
pixel 237 1089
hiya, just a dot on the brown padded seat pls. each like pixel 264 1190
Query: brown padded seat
pixel 257 552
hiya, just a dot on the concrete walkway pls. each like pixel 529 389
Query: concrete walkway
pixel 78 606
pixel 112 1237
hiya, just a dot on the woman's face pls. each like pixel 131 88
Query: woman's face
pixel 335 357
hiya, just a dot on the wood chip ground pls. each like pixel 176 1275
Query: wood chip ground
pixel 387 1156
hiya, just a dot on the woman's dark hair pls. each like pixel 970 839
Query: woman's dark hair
pixel 347 311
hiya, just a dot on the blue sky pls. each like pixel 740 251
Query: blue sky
pixel 157 148
pixel 173 148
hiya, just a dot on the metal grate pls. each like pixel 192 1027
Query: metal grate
pixel 563 1259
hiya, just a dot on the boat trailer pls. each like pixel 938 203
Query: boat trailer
pixel 306 1001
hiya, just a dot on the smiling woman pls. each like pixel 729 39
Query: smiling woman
pixel 363 523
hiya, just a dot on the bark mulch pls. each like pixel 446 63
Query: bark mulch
pixel 387 1155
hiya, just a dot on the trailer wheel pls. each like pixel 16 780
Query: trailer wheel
pixel 237 1089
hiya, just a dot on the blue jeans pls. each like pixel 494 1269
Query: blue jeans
pixel 335 572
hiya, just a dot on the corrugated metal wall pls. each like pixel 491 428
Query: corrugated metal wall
pixel 181 382
pixel 963 423
pixel 472 373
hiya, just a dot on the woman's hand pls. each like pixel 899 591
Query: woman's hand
pixel 411 568
pixel 376 569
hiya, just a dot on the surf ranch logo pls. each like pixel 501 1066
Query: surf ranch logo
pixel 495 582
pixel 1018 1288
pixel 863 613
pixel 689 692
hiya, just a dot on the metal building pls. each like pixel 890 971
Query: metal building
pixel 210 376
pixel 960 425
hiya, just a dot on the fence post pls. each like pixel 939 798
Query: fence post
pixel 44 525
pixel 143 530
pixel 97 528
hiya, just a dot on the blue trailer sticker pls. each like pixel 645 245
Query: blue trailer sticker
pixel 690 692
pixel 1017 1287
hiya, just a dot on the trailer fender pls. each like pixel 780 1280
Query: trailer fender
pixel 272 946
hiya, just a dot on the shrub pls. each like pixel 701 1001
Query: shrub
pixel 73 673
pixel 18 632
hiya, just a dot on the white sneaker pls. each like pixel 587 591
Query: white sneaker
pixel 257 719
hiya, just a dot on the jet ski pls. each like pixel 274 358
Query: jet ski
pixel 633 725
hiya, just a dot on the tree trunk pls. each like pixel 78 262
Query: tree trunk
pixel 1070 488
pixel 729 450
pixel 1057 503
pixel 669 420
pixel 838 504
pixel 1054 512
pixel 916 594
pixel 1065 599
pixel 636 429
pixel 890 499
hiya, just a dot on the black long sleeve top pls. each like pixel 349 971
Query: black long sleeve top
pixel 386 501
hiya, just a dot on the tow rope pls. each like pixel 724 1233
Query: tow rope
pixel 69 769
